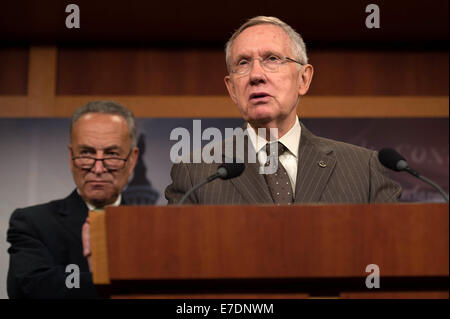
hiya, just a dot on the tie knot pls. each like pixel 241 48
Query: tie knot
pixel 270 147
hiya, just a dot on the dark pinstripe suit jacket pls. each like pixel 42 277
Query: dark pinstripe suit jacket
pixel 352 175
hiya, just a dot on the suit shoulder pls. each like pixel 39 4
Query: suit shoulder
pixel 31 220
pixel 37 210
pixel 340 147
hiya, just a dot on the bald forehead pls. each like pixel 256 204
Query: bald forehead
pixel 265 28
pixel 101 125
pixel 262 37
pixel 101 119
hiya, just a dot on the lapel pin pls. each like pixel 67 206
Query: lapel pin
pixel 322 164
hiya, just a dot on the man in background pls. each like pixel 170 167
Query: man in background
pixel 46 238
pixel 268 73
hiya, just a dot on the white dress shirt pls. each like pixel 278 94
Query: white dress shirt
pixel 291 140
pixel 91 207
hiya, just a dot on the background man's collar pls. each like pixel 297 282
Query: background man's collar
pixel 92 207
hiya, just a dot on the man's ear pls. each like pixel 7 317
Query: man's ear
pixel 230 87
pixel 305 79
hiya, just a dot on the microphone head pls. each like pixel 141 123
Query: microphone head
pixel 222 171
pixel 391 159
pixel 230 170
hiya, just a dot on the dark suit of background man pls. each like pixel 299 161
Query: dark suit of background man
pixel 46 238
pixel 268 72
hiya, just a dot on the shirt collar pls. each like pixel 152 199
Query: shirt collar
pixel 92 207
pixel 291 140
pixel 258 141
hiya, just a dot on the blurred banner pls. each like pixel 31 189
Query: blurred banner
pixel 35 165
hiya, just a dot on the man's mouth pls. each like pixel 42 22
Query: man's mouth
pixel 259 97
pixel 95 182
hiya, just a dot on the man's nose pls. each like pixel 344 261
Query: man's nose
pixel 257 74
pixel 99 167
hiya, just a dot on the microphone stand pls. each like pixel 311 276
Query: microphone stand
pixel 209 179
pixel 428 181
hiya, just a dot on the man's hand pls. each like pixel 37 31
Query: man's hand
pixel 86 239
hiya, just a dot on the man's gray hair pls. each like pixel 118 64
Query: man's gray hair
pixel 298 46
pixel 107 107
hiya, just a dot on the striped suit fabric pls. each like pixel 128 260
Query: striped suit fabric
pixel 328 172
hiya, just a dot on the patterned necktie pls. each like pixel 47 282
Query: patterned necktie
pixel 278 182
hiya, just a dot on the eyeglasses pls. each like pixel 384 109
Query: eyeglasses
pixel 110 163
pixel 270 64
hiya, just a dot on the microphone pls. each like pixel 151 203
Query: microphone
pixel 225 171
pixel 391 159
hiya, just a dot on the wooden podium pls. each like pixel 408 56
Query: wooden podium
pixel 305 251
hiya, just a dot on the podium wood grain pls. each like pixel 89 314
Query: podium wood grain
pixel 295 251
pixel 281 242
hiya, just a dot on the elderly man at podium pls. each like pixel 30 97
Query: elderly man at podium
pixel 268 73
pixel 46 253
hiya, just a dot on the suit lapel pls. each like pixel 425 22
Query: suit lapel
pixel 251 185
pixel 315 165
pixel 123 201
pixel 73 213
